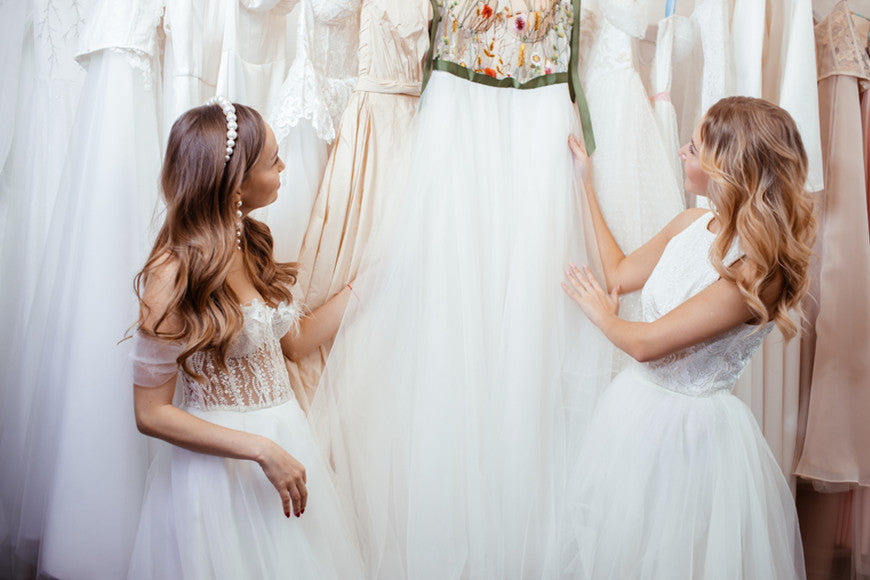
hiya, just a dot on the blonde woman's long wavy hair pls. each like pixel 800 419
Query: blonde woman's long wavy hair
pixel 199 232
pixel 754 155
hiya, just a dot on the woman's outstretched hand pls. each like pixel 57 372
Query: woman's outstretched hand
pixel 585 290
pixel 581 159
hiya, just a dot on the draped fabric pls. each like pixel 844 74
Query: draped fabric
pixel 361 176
pixel 79 199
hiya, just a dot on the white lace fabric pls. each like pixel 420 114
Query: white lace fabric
pixel 255 377
pixel 322 77
pixel 684 270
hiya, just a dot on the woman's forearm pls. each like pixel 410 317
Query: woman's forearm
pixel 158 418
pixel 608 249
pixel 316 328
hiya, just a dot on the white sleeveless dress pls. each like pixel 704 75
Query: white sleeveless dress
pixel 674 478
pixel 212 517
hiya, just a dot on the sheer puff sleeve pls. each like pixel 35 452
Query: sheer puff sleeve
pixel 154 361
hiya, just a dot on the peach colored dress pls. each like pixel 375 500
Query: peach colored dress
pixel 361 171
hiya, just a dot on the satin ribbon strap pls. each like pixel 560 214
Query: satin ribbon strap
pixel 574 87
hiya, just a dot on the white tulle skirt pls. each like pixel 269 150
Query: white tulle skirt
pixel 212 517
pixel 458 373
pixel 675 486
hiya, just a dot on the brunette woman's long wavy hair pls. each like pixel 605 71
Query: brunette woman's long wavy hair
pixel 754 155
pixel 198 236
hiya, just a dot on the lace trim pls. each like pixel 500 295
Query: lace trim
pixel 137 61
pixel 307 95
pixel 839 48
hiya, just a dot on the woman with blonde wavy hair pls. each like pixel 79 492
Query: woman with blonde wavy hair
pixel 216 315
pixel 674 478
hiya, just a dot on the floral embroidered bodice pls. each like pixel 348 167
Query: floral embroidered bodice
pixel 255 377
pixel 517 40
pixel 684 270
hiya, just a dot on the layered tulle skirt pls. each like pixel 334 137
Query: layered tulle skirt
pixel 461 367
pixel 669 485
pixel 212 517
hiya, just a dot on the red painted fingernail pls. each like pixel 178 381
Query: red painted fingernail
pixel 287 514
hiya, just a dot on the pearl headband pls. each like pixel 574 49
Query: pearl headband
pixel 230 112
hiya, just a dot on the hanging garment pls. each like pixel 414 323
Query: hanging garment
pixel 306 114
pixel 215 517
pixel 83 463
pixel 674 479
pixel 836 385
pixel 661 75
pixel 460 366
pixel 713 18
pixel 636 186
pixel 364 163
pixel 40 95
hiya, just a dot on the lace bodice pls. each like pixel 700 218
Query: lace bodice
pixel 255 378
pixel 514 41
pixel 322 77
pixel 684 270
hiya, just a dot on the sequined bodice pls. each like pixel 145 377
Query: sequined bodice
pixel 256 376
pixel 684 270
pixel 515 41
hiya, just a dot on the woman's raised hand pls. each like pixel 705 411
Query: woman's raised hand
pixel 287 475
pixel 581 159
pixel 585 290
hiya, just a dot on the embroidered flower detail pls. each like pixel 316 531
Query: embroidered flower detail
pixel 484 11
pixel 490 72
pixel 520 24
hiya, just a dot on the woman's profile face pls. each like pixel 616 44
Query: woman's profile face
pixel 260 186
pixel 696 178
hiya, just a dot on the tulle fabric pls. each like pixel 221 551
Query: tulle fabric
pixel 442 405
pixel 210 517
pixel 79 462
pixel 669 485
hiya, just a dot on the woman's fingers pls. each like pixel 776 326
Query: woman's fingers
pixel 576 146
pixel 582 278
pixel 296 496
pixel 303 496
pixel 286 501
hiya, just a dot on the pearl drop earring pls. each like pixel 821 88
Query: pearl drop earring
pixel 239 226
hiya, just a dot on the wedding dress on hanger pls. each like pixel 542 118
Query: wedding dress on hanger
pixel 636 186
pixel 306 113
pixel 461 366
pixel 362 173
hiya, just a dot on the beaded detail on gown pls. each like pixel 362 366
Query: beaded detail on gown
pixel 256 376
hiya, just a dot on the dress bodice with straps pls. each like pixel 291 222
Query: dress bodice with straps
pixel 520 44
pixel 255 375
pixel 684 270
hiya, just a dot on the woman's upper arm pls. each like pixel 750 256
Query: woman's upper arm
pixel 635 269
pixel 717 309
